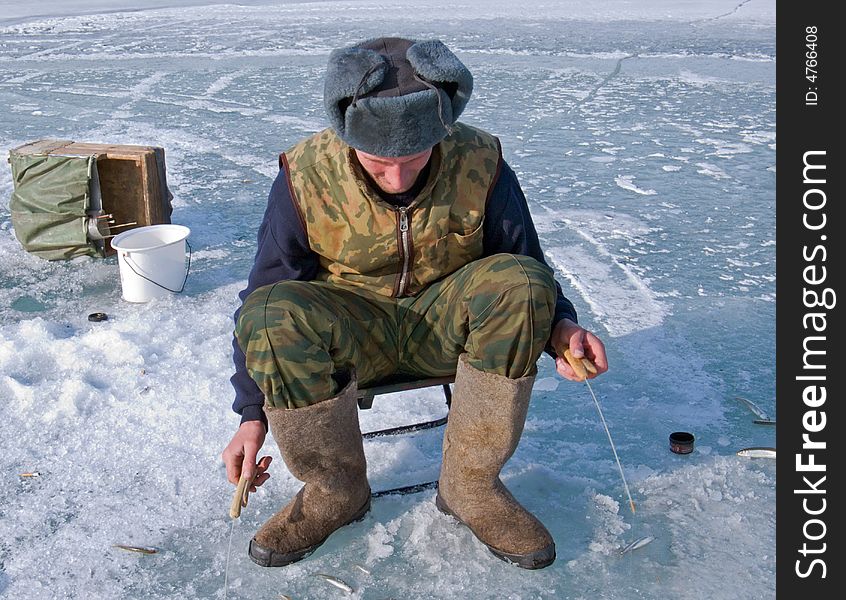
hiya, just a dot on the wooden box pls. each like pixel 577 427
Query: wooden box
pixel 130 180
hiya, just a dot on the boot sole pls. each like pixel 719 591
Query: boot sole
pixel 533 560
pixel 267 557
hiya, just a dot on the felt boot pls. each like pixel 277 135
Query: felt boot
pixel 485 423
pixel 321 445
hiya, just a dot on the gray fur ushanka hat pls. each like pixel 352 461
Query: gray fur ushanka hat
pixel 394 96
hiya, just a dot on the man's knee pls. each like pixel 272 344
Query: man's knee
pixel 511 314
pixel 275 305
pixel 525 279
pixel 515 295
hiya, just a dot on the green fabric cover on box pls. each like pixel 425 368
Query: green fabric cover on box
pixel 49 204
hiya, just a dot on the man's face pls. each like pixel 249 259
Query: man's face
pixel 394 175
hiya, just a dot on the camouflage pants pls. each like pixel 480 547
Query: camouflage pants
pixel 297 334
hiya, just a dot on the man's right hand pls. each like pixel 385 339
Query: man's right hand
pixel 240 455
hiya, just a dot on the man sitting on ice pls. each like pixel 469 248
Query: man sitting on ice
pixel 397 241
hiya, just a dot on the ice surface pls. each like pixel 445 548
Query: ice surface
pixel 644 136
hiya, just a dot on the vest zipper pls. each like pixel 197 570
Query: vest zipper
pixel 405 249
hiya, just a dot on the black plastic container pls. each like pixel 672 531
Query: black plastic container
pixel 681 442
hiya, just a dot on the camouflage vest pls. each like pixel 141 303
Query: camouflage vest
pixel 395 251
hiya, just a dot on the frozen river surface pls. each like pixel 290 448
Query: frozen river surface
pixel 644 137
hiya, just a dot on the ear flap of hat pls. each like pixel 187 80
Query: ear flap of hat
pixel 347 67
pixel 434 61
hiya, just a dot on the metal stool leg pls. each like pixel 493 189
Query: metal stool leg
pixel 366 398
pixel 366 401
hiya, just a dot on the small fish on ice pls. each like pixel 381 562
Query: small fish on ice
pixel 139 549
pixel 335 581
pixel 756 410
pixel 757 452
pixel 639 543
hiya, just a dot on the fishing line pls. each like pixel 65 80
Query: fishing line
pixel 580 367
pixel 613 448
pixel 228 553
pixel 239 499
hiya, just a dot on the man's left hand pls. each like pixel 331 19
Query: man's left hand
pixel 582 343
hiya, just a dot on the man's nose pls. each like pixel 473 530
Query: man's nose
pixel 399 175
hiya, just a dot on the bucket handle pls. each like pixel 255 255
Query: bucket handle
pixel 187 270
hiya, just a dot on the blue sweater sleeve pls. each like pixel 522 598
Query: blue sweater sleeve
pixel 283 253
pixel 509 228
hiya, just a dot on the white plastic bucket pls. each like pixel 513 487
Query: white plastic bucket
pixel 152 261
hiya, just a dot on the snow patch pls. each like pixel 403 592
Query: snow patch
pixel 627 183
